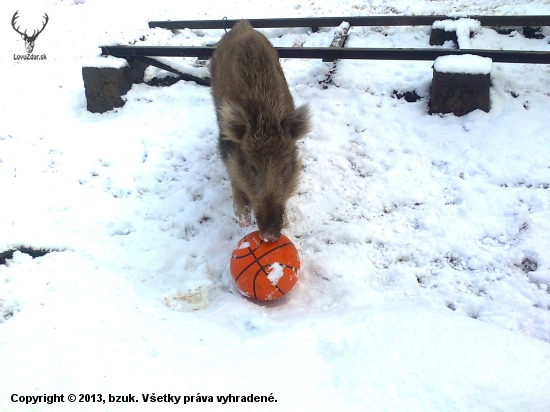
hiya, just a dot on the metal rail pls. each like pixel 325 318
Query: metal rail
pixel 352 20
pixel 498 56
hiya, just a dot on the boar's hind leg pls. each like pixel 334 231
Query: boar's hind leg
pixel 241 204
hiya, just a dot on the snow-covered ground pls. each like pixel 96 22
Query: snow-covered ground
pixel 424 239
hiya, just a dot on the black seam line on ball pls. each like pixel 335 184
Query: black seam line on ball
pixel 257 259
pixel 257 273
pixel 250 264
pixel 248 254
pixel 262 269
pixel 274 249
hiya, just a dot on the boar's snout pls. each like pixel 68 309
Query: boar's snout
pixel 270 217
pixel 269 237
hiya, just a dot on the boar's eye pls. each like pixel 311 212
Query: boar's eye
pixel 253 169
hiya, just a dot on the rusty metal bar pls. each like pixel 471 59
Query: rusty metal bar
pixel 352 20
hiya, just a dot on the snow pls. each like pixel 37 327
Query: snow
pixel 244 245
pixel 276 271
pixel 423 239
pixel 463 28
pixel 343 27
pixel 465 64
pixel 105 61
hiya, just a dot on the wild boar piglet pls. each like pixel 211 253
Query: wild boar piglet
pixel 259 127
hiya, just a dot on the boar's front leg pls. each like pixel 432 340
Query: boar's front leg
pixel 241 204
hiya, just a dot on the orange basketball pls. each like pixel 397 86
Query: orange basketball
pixel 264 270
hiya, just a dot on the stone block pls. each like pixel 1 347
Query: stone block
pixel 459 31
pixel 104 87
pixel 460 84
pixel 439 36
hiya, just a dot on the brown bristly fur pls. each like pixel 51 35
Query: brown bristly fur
pixel 259 126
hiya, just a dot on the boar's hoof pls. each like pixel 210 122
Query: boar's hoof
pixel 245 220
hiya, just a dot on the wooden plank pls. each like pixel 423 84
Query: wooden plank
pixel 498 56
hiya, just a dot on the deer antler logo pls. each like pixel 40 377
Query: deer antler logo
pixel 29 40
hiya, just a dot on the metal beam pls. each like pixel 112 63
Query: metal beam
pixel 352 20
pixel 157 51
pixel 498 56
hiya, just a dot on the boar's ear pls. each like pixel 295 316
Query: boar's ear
pixel 298 123
pixel 233 122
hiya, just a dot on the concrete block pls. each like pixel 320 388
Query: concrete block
pixel 439 36
pixel 460 84
pixel 104 87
